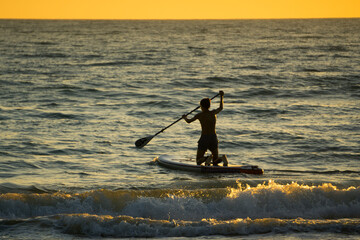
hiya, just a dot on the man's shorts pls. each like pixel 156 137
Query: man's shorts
pixel 208 142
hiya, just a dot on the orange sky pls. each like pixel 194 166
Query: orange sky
pixel 178 9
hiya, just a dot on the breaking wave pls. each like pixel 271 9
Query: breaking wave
pixel 265 208
pixel 267 200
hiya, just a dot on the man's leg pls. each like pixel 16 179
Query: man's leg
pixel 223 159
pixel 200 156
pixel 215 153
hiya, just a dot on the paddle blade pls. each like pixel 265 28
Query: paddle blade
pixel 143 141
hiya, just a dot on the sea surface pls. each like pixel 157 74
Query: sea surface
pixel 76 95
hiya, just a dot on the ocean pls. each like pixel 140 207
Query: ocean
pixel 76 95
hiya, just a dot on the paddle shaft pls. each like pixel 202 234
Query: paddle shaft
pixel 182 118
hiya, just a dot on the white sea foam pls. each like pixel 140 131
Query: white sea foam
pixel 126 226
pixel 270 200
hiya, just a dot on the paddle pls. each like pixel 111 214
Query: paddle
pixel 143 141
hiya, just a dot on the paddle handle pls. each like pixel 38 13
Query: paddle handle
pixel 182 118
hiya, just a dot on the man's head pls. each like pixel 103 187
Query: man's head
pixel 205 103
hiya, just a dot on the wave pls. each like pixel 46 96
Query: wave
pixel 46 55
pixel 109 64
pixel 223 79
pixel 260 91
pixel 244 210
pixel 45 43
pixel 123 63
pixel 267 200
pixel 9 166
pixel 123 226
pixel 270 112
pixel 13 188
pixel 57 115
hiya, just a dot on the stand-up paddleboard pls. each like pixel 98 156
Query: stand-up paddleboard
pixel 186 164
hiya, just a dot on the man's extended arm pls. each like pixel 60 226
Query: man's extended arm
pixel 221 103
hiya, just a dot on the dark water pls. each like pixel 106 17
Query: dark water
pixel 76 95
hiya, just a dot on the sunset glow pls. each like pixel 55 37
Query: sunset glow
pixel 176 9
